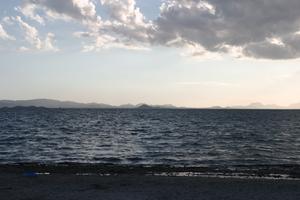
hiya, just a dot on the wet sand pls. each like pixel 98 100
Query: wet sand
pixel 15 186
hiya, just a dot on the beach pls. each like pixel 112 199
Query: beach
pixel 140 187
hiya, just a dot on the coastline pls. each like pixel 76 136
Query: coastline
pixel 33 181
pixel 283 171
pixel 140 187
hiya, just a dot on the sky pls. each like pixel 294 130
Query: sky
pixel 191 53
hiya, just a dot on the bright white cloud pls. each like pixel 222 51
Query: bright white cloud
pixel 103 41
pixel 29 10
pixel 126 28
pixel 32 36
pixel 48 43
pixel 7 20
pixel 124 12
pixel 31 33
pixel 23 49
pixel 4 35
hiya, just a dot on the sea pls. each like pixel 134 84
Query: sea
pixel 259 142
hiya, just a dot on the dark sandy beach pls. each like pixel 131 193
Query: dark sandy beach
pixel 64 184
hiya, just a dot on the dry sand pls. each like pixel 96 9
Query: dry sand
pixel 140 187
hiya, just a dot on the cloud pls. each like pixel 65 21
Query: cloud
pixel 263 29
pixel 31 33
pixel 29 10
pixel 23 49
pixel 125 27
pixel 126 20
pixel 287 48
pixel 99 42
pixel 48 43
pixel 124 11
pixel 208 28
pixel 82 10
pixel 7 20
pixel 207 84
pixel 218 26
pixel 32 37
pixel 4 35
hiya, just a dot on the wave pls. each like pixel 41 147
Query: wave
pixel 238 171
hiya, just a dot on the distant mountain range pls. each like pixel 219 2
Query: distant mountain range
pixel 258 105
pixel 50 103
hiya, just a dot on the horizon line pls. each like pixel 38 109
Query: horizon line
pixel 251 105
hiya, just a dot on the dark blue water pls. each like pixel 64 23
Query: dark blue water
pixel 172 137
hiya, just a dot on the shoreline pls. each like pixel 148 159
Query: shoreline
pixel 284 172
pixel 62 181
pixel 139 187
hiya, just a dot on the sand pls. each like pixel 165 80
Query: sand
pixel 140 187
